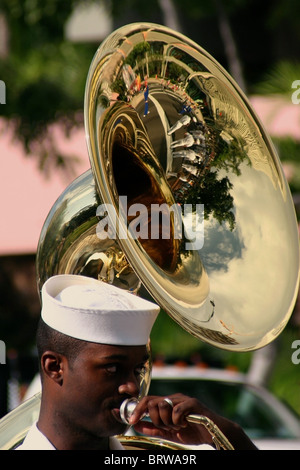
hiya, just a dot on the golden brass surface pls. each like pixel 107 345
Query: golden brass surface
pixel 167 126
pixel 69 243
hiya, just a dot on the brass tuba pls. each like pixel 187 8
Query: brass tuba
pixel 186 195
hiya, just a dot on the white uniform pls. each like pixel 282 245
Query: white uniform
pixel 36 440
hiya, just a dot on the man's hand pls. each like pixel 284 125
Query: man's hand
pixel 169 421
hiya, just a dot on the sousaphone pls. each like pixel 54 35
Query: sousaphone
pixel 167 128
pixel 186 194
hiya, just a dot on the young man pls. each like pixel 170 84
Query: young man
pixel 92 343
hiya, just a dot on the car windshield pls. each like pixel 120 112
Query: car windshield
pixel 235 401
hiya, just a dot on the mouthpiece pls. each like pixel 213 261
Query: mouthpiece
pixel 219 439
pixel 127 408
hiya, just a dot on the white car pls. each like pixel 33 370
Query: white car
pixel 264 418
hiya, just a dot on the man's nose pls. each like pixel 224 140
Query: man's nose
pixel 130 387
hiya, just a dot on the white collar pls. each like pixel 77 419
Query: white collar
pixel 36 440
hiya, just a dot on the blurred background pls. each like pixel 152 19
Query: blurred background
pixel 46 47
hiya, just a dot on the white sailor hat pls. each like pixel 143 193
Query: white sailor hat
pixel 94 311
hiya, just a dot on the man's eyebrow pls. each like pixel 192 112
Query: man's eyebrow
pixel 121 357
pixel 124 357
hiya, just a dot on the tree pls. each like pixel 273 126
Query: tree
pixel 44 74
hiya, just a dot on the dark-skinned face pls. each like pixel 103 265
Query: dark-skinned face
pixel 95 385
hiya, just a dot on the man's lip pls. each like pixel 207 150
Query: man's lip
pixel 116 415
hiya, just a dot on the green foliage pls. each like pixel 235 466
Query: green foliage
pixel 35 23
pixel 172 343
pixel 215 194
pixel 278 80
pixel 43 86
pixel 284 381
pixel 289 152
pixel 45 79
pixel 288 149
pixel 44 74
pixel 119 8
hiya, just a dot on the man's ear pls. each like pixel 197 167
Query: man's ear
pixel 53 366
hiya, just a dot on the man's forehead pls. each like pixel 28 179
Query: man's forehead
pixel 110 351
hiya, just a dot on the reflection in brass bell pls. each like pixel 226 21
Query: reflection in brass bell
pixel 168 128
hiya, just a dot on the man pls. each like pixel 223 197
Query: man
pixel 92 344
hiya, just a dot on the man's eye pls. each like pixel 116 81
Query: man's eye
pixel 111 369
pixel 140 370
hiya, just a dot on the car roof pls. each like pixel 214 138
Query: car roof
pixel 197 372
pixel 228 376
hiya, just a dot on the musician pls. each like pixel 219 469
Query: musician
pixel 92 341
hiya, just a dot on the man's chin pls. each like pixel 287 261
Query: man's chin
pixel 118 421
